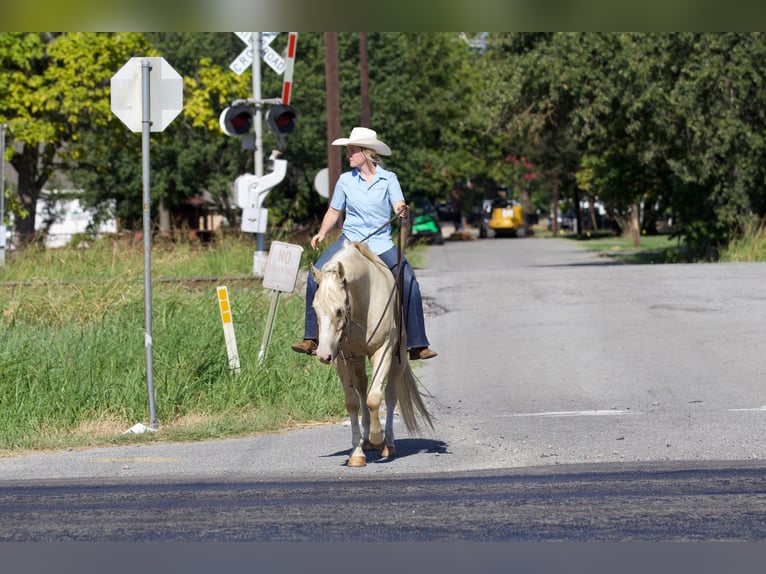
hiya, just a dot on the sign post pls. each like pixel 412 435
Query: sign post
pixel 2 194
pixel 228 328
pixel 144 110
pixel 280 275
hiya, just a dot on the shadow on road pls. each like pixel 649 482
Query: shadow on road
pixel 404 447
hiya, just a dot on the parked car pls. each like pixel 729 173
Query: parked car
pixel 567 222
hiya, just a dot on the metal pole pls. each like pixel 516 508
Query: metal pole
pixel 146 123
pixel 257 46
pixel 269 329
pixel 259 257
pixel 2 194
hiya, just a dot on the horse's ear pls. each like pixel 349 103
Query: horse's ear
pixel 315 273
pixel 341 272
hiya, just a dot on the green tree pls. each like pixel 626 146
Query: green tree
pixel 534 101
pixel 186 159
pixel 715 136
pixel 616 95
pixel 424 88
pixel 421 88
pixel 53 85
pixel 667 121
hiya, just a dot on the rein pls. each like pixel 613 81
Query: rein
pixel 389 222
pixel 400 284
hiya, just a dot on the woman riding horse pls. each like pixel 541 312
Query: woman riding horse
pixel 357 305
pixel 367 193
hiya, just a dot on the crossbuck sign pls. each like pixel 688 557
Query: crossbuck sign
pixel 268 54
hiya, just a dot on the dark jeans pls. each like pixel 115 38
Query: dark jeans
pixel 413 304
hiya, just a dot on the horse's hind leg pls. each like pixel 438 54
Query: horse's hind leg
pixel 389 450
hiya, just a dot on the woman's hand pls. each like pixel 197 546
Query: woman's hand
pixel 316 240
pixel 402 210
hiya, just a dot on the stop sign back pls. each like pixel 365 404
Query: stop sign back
pixel 165 88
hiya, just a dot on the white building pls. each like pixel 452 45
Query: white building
pixel 63 218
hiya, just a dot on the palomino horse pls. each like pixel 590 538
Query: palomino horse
pixel 358 312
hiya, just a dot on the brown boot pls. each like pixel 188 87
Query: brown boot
pixel 421 354
pixel 308 346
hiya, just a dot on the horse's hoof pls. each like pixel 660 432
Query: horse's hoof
pixel 357 461
pixel 388 452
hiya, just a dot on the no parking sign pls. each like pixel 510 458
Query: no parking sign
pixel 280 275
pixel 282 266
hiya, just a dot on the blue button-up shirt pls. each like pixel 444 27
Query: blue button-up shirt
pixel 367 206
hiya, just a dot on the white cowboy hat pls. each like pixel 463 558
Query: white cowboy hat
pixel 364 137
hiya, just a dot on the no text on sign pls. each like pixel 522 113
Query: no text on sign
pixel 282 266
pixel 165 88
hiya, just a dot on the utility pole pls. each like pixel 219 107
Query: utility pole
pixel 332 86
pixel 364 81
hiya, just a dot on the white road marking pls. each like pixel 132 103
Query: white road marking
pixel 595 413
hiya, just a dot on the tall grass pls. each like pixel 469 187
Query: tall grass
pixel 73 360
pixel 749 246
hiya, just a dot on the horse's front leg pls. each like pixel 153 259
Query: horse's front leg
pixel 354 389
pixel 381 363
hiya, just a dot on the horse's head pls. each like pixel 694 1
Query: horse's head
pixel 331 303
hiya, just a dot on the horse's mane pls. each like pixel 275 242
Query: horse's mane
pixel 365 250
pixel 345 256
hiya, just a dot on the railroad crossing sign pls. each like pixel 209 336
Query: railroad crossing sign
pixel 268 54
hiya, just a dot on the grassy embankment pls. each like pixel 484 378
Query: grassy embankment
pixel 73 361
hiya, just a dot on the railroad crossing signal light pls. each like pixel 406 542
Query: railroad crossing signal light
pixel 236 120
pixel 281 119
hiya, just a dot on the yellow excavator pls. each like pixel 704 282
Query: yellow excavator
pixel 503 217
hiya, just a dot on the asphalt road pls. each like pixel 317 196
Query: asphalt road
pixel 646 503
pixel 575 399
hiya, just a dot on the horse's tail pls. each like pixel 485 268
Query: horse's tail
pixel 411 403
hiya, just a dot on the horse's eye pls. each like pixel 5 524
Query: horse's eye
pixel 339 313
